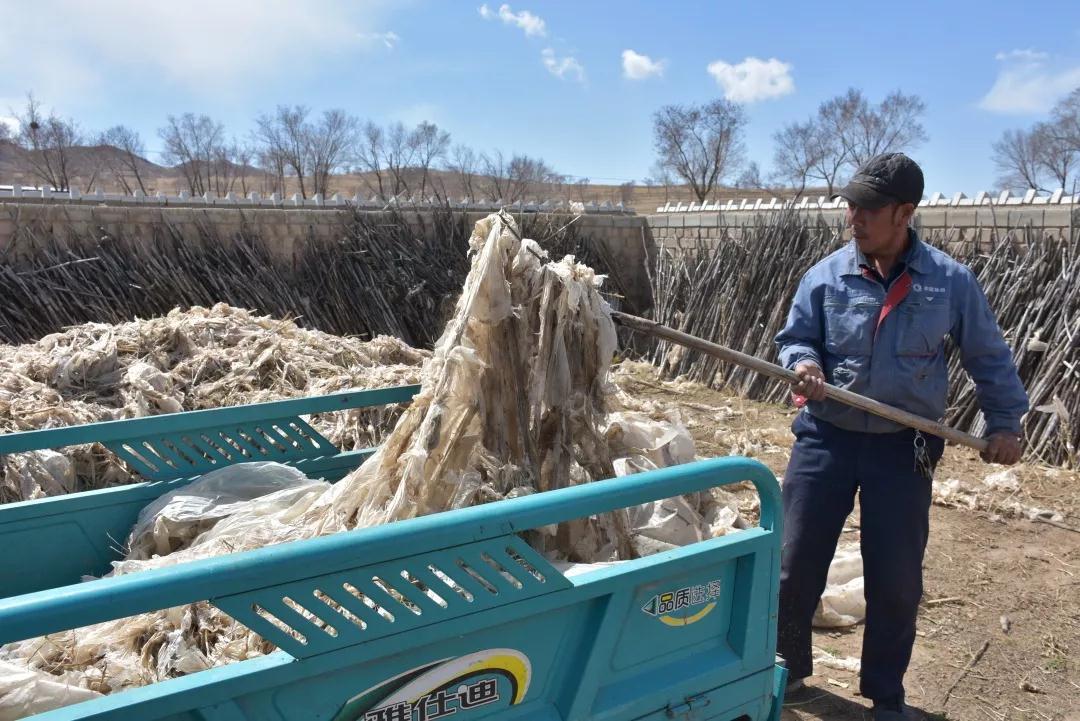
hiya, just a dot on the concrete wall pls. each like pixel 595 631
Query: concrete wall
pixel 958 224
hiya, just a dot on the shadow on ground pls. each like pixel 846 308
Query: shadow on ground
pixel 820 703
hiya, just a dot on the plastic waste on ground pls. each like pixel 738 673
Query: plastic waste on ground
pixel 843 603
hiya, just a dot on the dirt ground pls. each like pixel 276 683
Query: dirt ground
pixel 992 578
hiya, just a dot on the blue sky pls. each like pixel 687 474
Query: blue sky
pixel 549 78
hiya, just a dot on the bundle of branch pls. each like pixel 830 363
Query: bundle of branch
pixel 386 273
pixel 1032 280
pixel 736 292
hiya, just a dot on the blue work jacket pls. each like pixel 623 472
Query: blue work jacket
pixel 833 322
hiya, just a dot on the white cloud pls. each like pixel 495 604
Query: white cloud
pixel 564 66
pixel 1027 83
pixel 1027 55
pixel 639 67
pixel 530 23
pixel 753 79
pixel 389 39
pixel 206 46
pixel 11 123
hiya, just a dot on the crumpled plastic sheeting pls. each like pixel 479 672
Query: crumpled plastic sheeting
pixel 513 401
pixel 187 360
pixel 239 507
pixel 843 603
pixel 176 519
pixel 666 443
pixel 821 657
pixel 24 692
pixel 954 493
pixel 39 473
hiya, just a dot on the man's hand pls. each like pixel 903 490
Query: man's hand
pixel 811 383
pixel 1004 448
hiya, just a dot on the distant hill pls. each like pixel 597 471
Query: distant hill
pixel 93 166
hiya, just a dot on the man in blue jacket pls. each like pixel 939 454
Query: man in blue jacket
pixel 872 318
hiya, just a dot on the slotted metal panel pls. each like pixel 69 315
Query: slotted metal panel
pixel 183 454
pixel 326 613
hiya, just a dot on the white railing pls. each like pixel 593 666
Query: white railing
pixel 336 201
pixel 959 200
pixel 340 201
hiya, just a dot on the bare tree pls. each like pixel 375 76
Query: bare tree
pixel 273 167
pixel 283 139
pixel 518 178
pixel 1066 119
pixel 701 144
pixel 1047 154
pixel 1016 159
pixel 796 154
pixel 369 156
pixel 193 145
pixel 464 164
pixel 127 161
pixel 846 132
pixel 225 171
pixel 496 172
pixel 429 145
pixel 243 155
pixel 330 143
pixel 399 155
pixel 389 157
pixel 829 156
pixel 6 132
pixel 533 176
pixel 865 130
pixel 50 142
pixel 1054 154
pixel 750 178
pixel 661 176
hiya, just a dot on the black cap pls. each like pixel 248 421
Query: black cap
pixel 884 179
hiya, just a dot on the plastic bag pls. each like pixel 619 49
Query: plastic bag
pixel 177 518
pixel 843 603
pixel 665 443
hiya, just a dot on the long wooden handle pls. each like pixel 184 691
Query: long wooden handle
pixel 772 370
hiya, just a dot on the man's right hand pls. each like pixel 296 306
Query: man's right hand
pixel 811 383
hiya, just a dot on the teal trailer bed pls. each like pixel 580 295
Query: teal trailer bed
pixel 478 624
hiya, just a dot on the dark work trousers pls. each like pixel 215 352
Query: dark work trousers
pixel 828 465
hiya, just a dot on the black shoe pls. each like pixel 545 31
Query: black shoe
pixel 795 690
pixel 896 711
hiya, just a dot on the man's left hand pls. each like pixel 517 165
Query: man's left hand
pixel 1003 448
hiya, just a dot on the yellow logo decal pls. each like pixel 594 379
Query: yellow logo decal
pixel 663 606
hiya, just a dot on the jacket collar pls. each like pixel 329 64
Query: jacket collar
pixel 915 258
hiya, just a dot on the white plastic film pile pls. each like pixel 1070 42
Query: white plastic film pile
pixel 187 360
pixel 516 398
